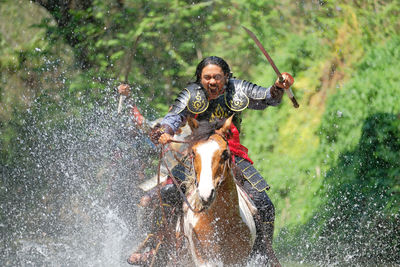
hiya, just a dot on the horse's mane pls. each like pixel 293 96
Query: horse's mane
pixel 204 130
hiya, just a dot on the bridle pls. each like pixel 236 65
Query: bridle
pixel 227 161
pixel 162 160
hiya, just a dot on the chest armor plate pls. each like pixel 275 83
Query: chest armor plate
pixel 217 109
pixel 198 102
pixel 232 101
pixel 235 98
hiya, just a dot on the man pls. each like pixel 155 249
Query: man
pixel 216 95
pixel 139 132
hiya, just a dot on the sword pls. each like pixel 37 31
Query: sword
pixel 280 77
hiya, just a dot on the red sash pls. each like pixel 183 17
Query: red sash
pixel 137 117
pixel 236 148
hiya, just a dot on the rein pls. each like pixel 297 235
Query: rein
pixel 162 159
pixel 162 152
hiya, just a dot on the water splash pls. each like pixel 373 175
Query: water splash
pixel 69 196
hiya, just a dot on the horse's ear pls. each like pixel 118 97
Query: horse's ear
pixel 227 125
pixel 193 123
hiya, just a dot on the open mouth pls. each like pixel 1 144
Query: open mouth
pixel 213 90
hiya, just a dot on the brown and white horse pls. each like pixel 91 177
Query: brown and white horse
pixel 220 226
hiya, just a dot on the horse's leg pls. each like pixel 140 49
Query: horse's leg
pixel 161 241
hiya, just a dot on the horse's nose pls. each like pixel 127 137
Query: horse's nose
pixel 209 200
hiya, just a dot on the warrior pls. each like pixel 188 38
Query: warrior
pixel 217 95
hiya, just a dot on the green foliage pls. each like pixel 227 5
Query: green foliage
pixel 320 207
pixel 360 142
pixel 372 89
pixel 360 212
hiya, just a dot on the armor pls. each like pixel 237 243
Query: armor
pixel 249 89
pixel 236 98
pixel 193 97
pixel 251 174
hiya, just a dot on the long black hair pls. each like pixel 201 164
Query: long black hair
pixel 215 61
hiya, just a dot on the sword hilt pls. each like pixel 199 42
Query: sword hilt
pixel 292 98
pixel 288 91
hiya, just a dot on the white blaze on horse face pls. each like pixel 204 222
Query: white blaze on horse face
pixel 206 152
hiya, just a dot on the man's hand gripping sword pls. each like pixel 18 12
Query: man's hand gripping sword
pixel 280 77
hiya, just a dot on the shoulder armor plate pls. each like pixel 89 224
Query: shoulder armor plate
pixel 198 102
pixel 180 102
pixel 235 97
pixel 254 91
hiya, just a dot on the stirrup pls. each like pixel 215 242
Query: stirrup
pixel 141 259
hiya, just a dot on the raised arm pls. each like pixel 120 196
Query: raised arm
pixel 262 97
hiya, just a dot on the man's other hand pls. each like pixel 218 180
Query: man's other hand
pixel 124 89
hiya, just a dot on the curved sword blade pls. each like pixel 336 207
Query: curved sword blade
pixel 280 77
pixel 258 43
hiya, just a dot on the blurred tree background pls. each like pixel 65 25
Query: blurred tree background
pixel 333 164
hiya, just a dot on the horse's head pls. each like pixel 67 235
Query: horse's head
pixel 211 157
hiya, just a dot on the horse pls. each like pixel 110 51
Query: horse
pixel 218 220
pixel 216 225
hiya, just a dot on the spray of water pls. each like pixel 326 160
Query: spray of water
pixel 69 198
pixel 69 195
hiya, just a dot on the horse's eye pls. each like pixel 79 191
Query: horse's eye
pixel 225 155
